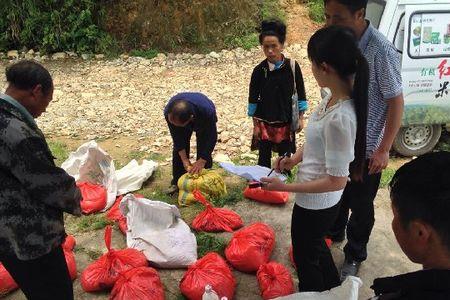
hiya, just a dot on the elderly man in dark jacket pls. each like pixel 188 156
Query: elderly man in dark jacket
pixel 34 192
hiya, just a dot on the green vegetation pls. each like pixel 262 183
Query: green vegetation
pixel 233 196
pixel 207 242
pixel 92 222
pixel 426 114
pixel 444 143
pixel 59 150
pixel 386 177
pixel 93 254
pixel 316 10
pixel 52 26
pixel 149 53
pixel 137 26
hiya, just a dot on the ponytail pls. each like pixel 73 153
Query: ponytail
pixel 360 98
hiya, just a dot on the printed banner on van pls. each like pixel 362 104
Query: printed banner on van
pixel 430 34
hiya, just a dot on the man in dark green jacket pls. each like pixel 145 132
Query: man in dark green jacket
pixel 34 192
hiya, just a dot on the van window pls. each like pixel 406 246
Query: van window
pixel 374 11
pixel 429 35
pixel 400 34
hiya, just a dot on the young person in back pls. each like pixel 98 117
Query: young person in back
pixel 335 136
pixel 384 119
pixel 420 195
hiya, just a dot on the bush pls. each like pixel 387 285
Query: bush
pixel 51 26
pixel 316 10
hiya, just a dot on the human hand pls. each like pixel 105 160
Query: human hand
pixel 301 123
pixel 378 162
pixel 187 165
pixel 283 163
pixel 272 184
pixel 198 166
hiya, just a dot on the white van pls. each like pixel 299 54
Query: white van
pixel 420 30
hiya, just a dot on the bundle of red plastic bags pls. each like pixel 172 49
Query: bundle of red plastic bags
pixel 291 254
pixel 251 247
pixel 115 215
pixel 94 197
pixel 68 245
pixel 210 270
pixel 141 283
pixel 7 283
pixel 274 280
pixel 103 273
pixel 214 219
pixel 260 195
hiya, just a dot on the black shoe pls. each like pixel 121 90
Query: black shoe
pixel 349 268
pixel 336 238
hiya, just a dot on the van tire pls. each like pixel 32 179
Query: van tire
pixel 416 140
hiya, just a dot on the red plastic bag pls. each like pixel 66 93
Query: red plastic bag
pixel 68 246
pixel 141 283
pixel 214 219
pixel 210 269
pixel 7 283
pixel 115 215
pixel 274 280
pixel 291 250
pixel 260 195
pixel 103 273
pixel 94 197
pixel 69 243
pixel 251 247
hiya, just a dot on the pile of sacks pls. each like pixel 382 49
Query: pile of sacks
pixel 99 182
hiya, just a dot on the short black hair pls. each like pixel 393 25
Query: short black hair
pixel 273 28
pixel 420 190
pixel 352 5
pixel 181 110
pixel 26 74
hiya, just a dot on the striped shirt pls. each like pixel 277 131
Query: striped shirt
pixel 385 82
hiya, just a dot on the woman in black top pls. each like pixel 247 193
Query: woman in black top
pixel 270 97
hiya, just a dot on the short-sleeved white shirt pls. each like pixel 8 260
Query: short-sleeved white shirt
pixel 329 149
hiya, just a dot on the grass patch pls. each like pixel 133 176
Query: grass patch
pixel 92 222
pixel 93 254
pixel 386 177
pixel 233 196
pixel 137 155
pixel 181 297
pixel 59 150
pixel 156 156
pixel 444 142
pixel 207 242
pixel 246 42
pixel 157 194
pixel 316 10
pixel 270 9
pixel 149 53
pixel 293 176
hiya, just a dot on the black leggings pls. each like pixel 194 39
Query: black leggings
pixel 265 151
pixel 43 278
pixel 315 266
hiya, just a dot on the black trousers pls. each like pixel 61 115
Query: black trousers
pixel 265 151
pixel 315 266
pixel 43 278
pixel 357 197
pixel 177 164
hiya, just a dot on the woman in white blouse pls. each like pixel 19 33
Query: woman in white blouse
pixel 333 151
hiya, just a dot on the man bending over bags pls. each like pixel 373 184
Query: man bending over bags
pixel 185 113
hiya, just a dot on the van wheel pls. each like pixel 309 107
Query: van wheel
pixel 416 140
